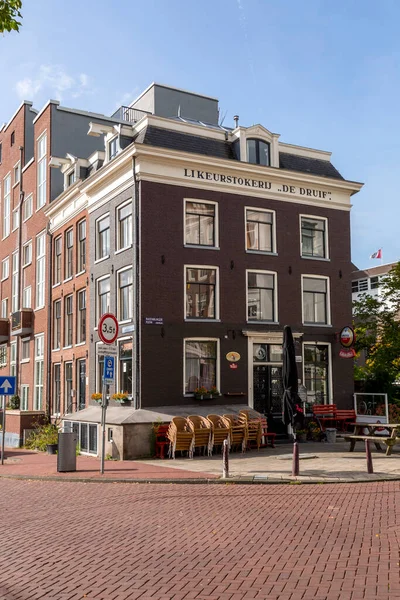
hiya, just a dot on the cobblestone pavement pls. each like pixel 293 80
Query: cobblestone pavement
pixel 73 541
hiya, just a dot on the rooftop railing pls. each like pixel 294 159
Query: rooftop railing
pixel 129 114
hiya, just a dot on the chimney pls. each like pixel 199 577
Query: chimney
pixel 236 119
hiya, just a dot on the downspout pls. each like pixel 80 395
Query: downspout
pixel 49 391
pixel 20 206
pixel 136 202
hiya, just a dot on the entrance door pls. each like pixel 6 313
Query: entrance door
pixel 267 389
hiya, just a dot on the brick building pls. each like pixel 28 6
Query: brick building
pixel 204 240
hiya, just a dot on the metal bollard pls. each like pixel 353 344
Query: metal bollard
pixel 225 460
pixel 296 462
pixel 370 467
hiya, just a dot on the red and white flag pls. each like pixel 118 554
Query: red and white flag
pixel 377 254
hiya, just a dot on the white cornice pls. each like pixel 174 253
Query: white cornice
pixel 304 151
pixel 183 127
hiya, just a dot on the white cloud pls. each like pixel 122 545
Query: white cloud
pixel 55 82
pixel 126 98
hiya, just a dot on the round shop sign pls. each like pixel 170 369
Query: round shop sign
pixel 108 328
pixel 233 357
pixel 347 337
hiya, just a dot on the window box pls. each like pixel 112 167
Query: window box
pixel 22 322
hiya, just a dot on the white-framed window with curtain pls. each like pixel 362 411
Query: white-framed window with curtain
pixel 124 224
pixel 103 296
pixel 201 223
pixel 6 205
pixel 40 269
pixel 39 371
pixel 201 364
pixel 13 358
pixel 15 283
pixel 68 250
pixel 201 292
pixel 5 268
pixel 28 207
pixel 56 389
pixel 314 237
pixel 41 171
pixel 260 230
pixel 4 308
pixel 103 237
pixel 81 247
pixel 316 301
pixel 125 295
pixel 24 396
pixel 81 317
pixel 262 296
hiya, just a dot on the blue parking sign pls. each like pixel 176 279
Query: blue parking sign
pixel 108 369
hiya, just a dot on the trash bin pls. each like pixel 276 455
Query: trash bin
pixel 66 457
pixel 330 435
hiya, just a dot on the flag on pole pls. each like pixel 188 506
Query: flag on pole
pixel 377 254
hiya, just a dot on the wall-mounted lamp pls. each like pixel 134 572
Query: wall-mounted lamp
pixel 87 280
pixel 91 276
pixel 87 353
pixel 340 274
pixel 112 268
pixel 290 270
pixel 91 337
pixel 232 265
pixel 162 259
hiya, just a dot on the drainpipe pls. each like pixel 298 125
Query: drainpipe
pixel 49 391
pixel 136 203
pixel 20 206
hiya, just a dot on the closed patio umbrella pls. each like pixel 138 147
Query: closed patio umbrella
pixel 290 395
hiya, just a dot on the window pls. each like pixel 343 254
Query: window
pixel 57 324
pixel 15 219
pixel 56 389
pixel 1 152
pixel 24 396
pixel 68 387
pixel 81 383
pixel 41 171
pixel 200 223
pixel 57 260
pixel 316 372
pixel 87 436
pixel 360 285
pixel 17 173
pixel 15 283
pixel 313 237
pixel 71 178
pixel 261 296
pixel 69 242
pixel 25 349
pixel 6 206
pixel 103 296
pixel 125 291
pixel 99 370
pixel 315 300
pixel 12 139
pixel 27 297
pixel 81 257
pixel 260 234
pixel 374 281
pixel 5 268
pixel 125 226
pixel 113 148
pixel 27 254
pixel 4 308
pixel 258 152
pixel 3 355
pixel 125 367
pixel 200 364
pixel 81 328
pixel 40 269
pixel 28 207
pixel 39 371
pixel 200 293
pixel 103 237
pixel 13 358
pixel 68 321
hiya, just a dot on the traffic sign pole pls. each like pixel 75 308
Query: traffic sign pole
pixel 103 427
pixel 3 437
pixel 7 388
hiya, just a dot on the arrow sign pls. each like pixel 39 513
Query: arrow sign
pixel 7 385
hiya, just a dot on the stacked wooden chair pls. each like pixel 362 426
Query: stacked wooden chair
pixel 238 431
pixel 220 430
pixel 202 432
pixel 181 436
pixel 252 422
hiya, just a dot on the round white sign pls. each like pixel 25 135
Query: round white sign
pixel 108 328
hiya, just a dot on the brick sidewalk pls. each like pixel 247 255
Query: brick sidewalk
pixel 27 463
pixel 74 541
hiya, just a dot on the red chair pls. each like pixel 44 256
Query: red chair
pixel 161 440
pixel 344 418
pixel 265 435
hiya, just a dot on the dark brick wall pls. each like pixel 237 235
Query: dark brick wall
pixel 163 288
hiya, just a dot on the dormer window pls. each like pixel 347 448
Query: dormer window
pixel 258 152
pixel 113 148
pixel 71 178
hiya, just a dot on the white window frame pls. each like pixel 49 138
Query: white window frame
pixel 216 299
pixel 41 191
pixel 24 396
pixel 326 249
pixel 120 341
pixel 14 282
pixel 98 296
pixel 13 362
pixel 68 276
pixel 27 293
pixel 15 219
pixel 27 245
pixel 118 147
pixel 216 224
pixel 67 176
pixel 25 341
pixel 317 343
pixel 104 216
pixel 118 222
pixel 18 167
pixel 56 364
pixel 4 308
pixel 28 203
pixel 6 206
pixel 276 308
pixel 64 317
pixel 38 387
pixel 218 361
pixel 328 301
pixel 78 247
pixel 273 252
pixel 120 320
pixel 78 318
pixel 3 355
pixel 5 261
pixel 57 302
pixel 40 260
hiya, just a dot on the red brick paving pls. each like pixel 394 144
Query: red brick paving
pixel 67 541
pixel 28 463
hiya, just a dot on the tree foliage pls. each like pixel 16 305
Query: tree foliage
pixel 377 327
pixel 10 11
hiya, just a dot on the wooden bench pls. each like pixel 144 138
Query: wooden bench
pixel 325 413
pixel 345 417
pixel 389 440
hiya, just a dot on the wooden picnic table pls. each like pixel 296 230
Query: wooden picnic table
pixel 373 435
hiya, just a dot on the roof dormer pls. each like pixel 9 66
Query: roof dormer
pixel 256 145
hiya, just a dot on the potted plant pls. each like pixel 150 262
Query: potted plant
pixel 201 392
pixel 14 402
pixel 214 392
pixel 97 397
pixel 301 435
pixel 315 431
pixel 121 397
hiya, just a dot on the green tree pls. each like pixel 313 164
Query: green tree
pixel 377 327
pixel 10 11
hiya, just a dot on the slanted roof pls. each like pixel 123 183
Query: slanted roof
pixel 304 164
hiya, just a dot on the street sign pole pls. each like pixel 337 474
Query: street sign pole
pixel 7 388
pixel 103 426
pixel 3 437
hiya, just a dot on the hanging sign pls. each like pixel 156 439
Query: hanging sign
pixel 233 357
pixel 347 337
pixel 347 353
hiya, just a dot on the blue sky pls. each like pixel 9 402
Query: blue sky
pixel 322 74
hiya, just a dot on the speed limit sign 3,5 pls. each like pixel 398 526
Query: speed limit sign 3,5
pixel 108 328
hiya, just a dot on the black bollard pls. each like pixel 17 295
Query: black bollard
pixel 370 467
pixel 296 462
